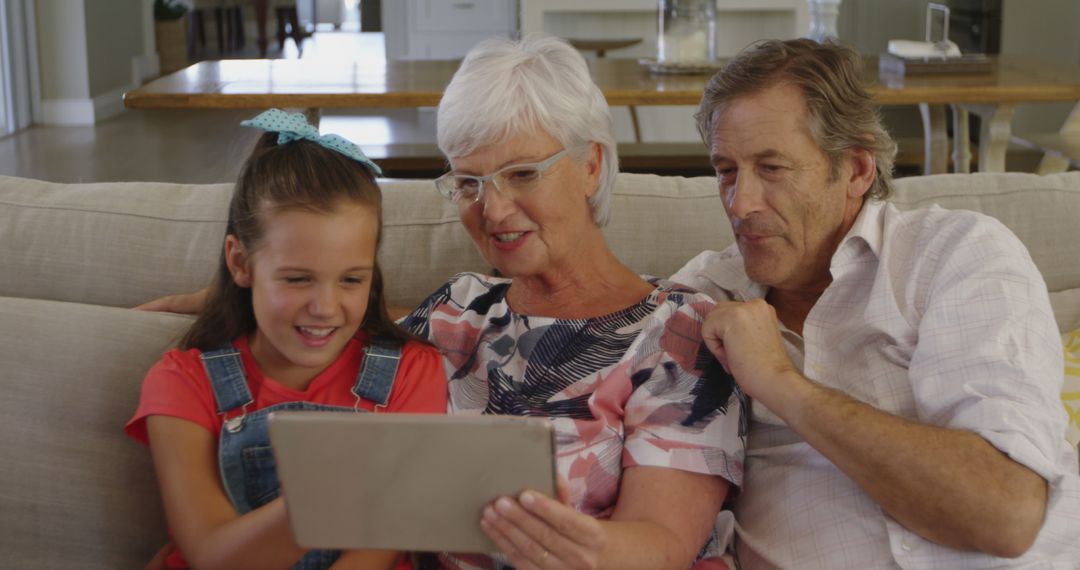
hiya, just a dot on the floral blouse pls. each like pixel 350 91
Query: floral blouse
pixel 634 387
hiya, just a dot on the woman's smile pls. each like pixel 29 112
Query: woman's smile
pixel 507 241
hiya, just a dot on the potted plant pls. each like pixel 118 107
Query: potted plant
pixel 170 35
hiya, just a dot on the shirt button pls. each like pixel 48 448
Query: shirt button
pixel 905 545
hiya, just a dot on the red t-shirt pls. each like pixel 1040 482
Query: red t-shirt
pixel 177 386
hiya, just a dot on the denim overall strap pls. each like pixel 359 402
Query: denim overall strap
pixel 375 380
pixel 225 370
pixel 245 457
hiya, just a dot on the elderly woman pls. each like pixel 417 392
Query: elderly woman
pixel 647 423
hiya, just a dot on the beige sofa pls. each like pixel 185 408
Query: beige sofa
pixel 75 492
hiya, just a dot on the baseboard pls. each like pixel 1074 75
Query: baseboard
pixel 75 112
pixel 67 112
pixel 111 103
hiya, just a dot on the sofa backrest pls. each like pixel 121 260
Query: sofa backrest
pixel 1043 211
pixel 121 244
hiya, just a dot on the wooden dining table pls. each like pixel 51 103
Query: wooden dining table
pixel 315 84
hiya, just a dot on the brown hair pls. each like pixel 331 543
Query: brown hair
pixel 303 175
pixel 842 113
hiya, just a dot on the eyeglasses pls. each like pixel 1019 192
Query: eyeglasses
pixel 511 181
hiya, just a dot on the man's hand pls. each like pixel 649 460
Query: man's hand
pixel 935 481
pixel 745 338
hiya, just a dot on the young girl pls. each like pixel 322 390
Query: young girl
pixel 296 319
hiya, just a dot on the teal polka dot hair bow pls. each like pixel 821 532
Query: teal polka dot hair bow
pixel 294 126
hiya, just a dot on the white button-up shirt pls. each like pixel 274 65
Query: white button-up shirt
pixel 935 316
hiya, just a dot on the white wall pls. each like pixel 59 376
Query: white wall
pixel 21 88
pixel 61 37
pixel 89 53
pixel 114 40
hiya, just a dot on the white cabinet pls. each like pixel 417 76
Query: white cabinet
pixel 444 29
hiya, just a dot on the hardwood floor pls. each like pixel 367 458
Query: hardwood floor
pixel 194 146
pixel 182 146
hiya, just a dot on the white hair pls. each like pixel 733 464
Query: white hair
pixel 506 88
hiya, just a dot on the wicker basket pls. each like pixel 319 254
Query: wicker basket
pixel 170 37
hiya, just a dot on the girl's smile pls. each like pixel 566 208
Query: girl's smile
pixel 310 280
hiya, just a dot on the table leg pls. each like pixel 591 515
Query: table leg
pixel 1051 163
pixel 936 139
pixel 635 123
pixel 995 126
pixel 961 140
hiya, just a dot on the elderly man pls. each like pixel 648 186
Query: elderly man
pixel 904 367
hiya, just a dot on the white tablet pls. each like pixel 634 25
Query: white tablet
pixel 410 482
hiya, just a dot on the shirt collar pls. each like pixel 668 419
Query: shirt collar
pixel 726 271
pixel 865 233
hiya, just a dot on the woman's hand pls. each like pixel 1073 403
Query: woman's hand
pixel 184 303
pixel 536 531
pixel 661 519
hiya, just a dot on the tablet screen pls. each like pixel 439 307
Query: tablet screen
pixel 411 482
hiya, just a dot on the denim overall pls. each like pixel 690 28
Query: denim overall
pixel 248 471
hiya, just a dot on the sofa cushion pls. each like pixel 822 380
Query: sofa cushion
pixel 659 222
pixel 120 244
pixel 423 242
pixel 1038 209
pixel 76 492
pixel 117 244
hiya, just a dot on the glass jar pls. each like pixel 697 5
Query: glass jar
pixel 823 16
pixel 686 31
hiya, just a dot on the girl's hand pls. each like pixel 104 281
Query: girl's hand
pixel 184 303
pixel 536 531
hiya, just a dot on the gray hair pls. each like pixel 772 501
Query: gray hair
pixel 842 113
pixel 506 88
